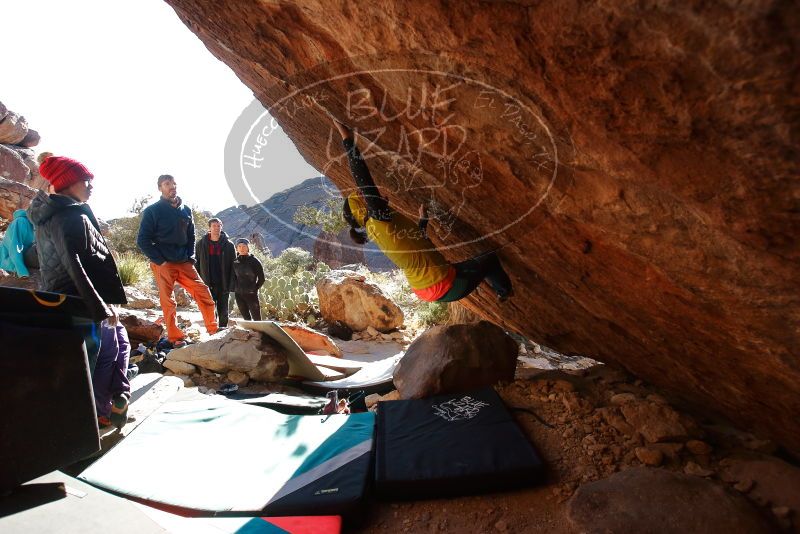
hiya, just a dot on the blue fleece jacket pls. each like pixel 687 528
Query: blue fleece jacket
pixel 19 238
pixel 166 233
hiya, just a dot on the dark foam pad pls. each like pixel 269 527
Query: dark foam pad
pixel 49 417
pixel 451 445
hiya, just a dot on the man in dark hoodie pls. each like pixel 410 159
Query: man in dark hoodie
pixel 248 279
pixel 166 237
pixel 73 255
pixel 215 255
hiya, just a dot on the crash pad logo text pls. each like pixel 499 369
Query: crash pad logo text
pixel 459 409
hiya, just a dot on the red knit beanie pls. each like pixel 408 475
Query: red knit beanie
pixel 63 172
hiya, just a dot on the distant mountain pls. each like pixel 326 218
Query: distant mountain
pixel 273 221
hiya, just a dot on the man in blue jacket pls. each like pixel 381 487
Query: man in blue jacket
pixel 166 237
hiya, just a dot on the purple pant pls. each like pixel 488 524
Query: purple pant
pixel 110 377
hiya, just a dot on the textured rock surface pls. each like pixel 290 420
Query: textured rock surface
pixel 14 196
pixel 767 480
pixel 13 128
pixel 180 368
pixel 452 359
pixel 347 297
pixel 139 300
pixel 140 327
pixel 655 422
pixel 235 349
pixel 311 340
pixel 657 148
pixel 182 297
pixel 658 501
pixel 12 166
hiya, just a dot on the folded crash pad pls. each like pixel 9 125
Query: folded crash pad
pixel 348 367
pixel 218 455
pixel 300 365
pixel 373 376
pixel 49 418
pixel 450 445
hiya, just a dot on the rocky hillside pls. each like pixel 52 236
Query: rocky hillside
pixel 272 220
pixel 19 171
pixel 635 164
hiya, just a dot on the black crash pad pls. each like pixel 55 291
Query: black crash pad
pixel 451 445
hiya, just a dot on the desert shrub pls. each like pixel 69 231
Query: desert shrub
pixel 290 262
pixel 432 313
pixel 328 217
pixel 122 234
pixel 133 268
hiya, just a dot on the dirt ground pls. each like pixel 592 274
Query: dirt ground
pixel 576 427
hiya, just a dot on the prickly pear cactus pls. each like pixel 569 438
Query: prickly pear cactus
pixel 293 297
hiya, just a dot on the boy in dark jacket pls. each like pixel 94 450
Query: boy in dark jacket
pixel 166 237
pixel 73 255
pixel 215 255
pixel 248 279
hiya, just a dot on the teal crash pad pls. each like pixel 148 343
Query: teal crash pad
pixel 222 456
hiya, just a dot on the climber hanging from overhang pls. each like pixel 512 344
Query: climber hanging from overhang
pixel 406 244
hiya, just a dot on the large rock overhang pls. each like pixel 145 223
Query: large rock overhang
pixel 637 166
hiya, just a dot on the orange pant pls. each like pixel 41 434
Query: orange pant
pixel 186 275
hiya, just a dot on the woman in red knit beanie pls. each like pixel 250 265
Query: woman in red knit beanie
pixel 74 257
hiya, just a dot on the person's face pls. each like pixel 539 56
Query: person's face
pixel 168 189
pixel 80 191
pixel 242 249
pixel 215 229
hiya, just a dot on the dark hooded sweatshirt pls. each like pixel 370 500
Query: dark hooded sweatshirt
pixel 216 271
pixel 73 255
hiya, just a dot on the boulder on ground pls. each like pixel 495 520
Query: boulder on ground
pixel 657 422
pixel 13 129
pixel 456 358
pixel 311 340
pixel 182 298
pixel 138 300
pixel 238 378
pixel 768 480
pixel 347 297
pixel 180 368
pixel 236 349
pixel 643 499
pixel 140 328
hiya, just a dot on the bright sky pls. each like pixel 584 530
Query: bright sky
pixel 132 93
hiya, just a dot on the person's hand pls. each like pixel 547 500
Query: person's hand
pixel 114 319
